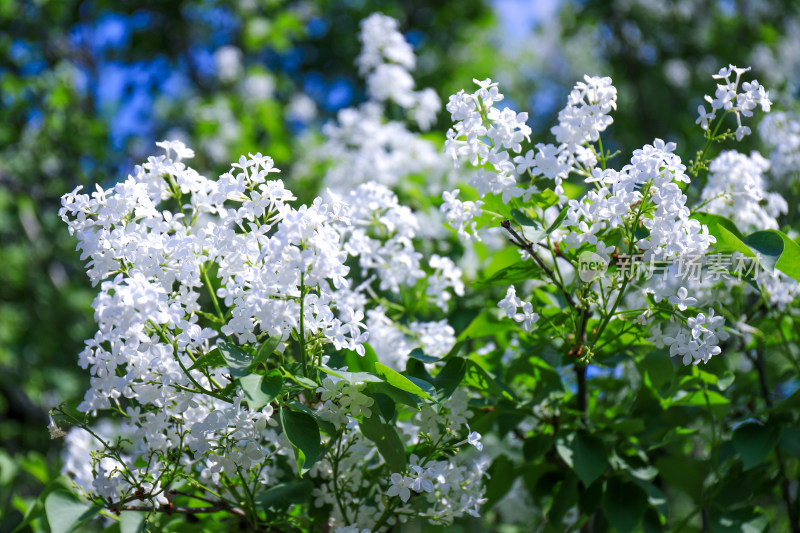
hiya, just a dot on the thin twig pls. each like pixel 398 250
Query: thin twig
pixel 523 243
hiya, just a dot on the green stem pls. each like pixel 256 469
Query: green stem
pixel 251 512
pixel 213 294
pixel 711 138
pixel 163 335
pixel 337 458
pixel 602 153
pixel 303 323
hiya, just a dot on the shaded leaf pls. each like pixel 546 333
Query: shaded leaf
pixel 450 377
pixel 624 504
pixel 510 275
pixel 210 360
pixel 261 390
pixel 387 440
pixel 585 454
pixel 303 432
pixel 131 523
pixel 502 474
pixel 283 495
pixel 64 511
pixel 480 378
pixel 754 442
pixel 265 350
pixel 418 354
pixel 236 359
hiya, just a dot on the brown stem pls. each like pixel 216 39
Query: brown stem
pixel 520 241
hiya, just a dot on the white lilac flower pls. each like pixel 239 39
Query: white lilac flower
pixel 505 130
pixel 474 438
pixel 461 215
pixel 728 98
pixel 435 338
pixel 682 300
pixel 510 303
pixel 150 265
pixel 736 189
pixel 587 112
pixel 401 486
pixel 446 276
pixel 703 118
pixel 781 132
pixel 700 340
pixel 527 317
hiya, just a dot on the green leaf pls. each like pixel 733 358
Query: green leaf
pixel 353 361
pixel 657 372
pixel 768 244
pixel 418 354
pixel 624 504
pixel 536 446
pixel 517 273
pixel 400 381
pixel 534 233
pixel 301 380
pixel 281 496
pixel 655 497
pixel 585 454
pixel 557 222
pixel 37 507
pixel 790 440
pixel 450 377
pixel 743 520
pixel 544 199
pixel 484 325
pixel 531 230
pixel 397 395
pixel 422 383
pixel 683 473
pixel 209 360
pixel 522 218
pixel 130 522
pixel 261 390
pixel 719 404
pixel 353 378
pixel 416 368
pixel 754 442
pixel 64 511
pixel 651 522
pixel 564 499
pixel 715 222
pixel 265 350
pixel 456 349
pixel 302 431
pixel 387 440
pixel 502 474
pixel 777 251
pixel 385 405
pixel 481 379
pixel 237 360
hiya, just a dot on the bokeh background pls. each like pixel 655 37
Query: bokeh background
pixel 87 87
